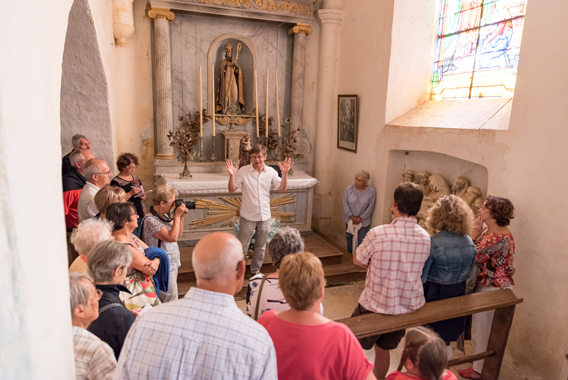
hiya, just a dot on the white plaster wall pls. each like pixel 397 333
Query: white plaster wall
pixel 519 162
pixel 35 322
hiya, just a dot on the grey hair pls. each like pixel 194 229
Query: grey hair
pixel 89 233
pixel 106 257
pixel 365 174
pixel 76 140
pixel 91 168
pixel 76 156
pixel 220 265
pixel 286 241
pixel 79 291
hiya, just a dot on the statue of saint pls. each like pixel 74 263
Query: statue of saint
pixel 244 152
pixel 408 176
pixel 459 187
pixel 474 198
pixel 230 100
pixel 422 181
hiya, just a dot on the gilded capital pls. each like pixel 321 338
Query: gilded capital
pixel 300 28
pixel 164 13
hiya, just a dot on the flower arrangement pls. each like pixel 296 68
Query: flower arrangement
pixel 185 137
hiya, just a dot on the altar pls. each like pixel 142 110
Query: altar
pixel 217 210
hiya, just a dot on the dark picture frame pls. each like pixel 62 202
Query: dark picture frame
pixel 347 118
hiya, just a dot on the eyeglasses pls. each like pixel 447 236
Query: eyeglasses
pixel 132 167
pixel 98 294
pixel 255 157
pixel 134 213
pixel 108 174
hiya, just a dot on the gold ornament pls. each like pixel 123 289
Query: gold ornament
pixel 266 5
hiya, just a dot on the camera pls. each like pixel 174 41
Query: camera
pixel 189 204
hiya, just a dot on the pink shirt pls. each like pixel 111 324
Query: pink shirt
pixel 395 254
pixel 396 375
pixel 322 352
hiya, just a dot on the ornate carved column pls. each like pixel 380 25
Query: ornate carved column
pixel 325 114
pixel 163 80
pixel 300 31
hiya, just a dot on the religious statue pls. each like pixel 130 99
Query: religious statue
pixel 474 198
pixel 459 187
pixel 422 181
pixel 231 99
pixel 244 151
pixel 408 176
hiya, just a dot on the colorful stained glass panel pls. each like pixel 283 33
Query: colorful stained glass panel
pixel 477 51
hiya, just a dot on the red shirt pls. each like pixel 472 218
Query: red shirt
pixel 495 259
pixel 397 375
pixel 321 352
pixel 395 255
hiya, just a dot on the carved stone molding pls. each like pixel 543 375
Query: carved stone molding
pixel 163 13
pixel 300 28
pixel 122 20
pixel 266 5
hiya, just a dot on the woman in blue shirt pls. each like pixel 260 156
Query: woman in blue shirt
pixel 451 260
pixel 358 203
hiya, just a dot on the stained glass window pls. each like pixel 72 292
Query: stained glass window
pixel 477 50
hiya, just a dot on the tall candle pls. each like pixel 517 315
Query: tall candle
pixel 277 103
pixel 213 96
pixel 200 104
pixel 266 130
pixel 256 102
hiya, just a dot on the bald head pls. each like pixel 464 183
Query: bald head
pixel 97 172
pixel 215 258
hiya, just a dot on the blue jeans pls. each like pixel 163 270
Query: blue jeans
pixel 360 236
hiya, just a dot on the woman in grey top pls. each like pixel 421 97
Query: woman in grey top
pixel 358 203
pixel 159 230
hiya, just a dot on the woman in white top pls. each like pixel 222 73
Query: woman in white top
pixel 286 241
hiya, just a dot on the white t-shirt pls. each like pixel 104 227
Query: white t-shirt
pixel 271 296
pixel 256 191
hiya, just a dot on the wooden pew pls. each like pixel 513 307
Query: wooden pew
pixel 502 301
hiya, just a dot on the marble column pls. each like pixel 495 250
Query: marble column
pixel 326 113
pixel 163 81
pixel 300 31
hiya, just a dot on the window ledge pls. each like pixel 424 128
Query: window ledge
pixel 493 114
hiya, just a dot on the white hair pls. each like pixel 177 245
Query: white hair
pixel 365 174
pixel 89 233
pixel 106 257
pixel 76 140
pixel 76 156
pixel 79 289
pixel 219 265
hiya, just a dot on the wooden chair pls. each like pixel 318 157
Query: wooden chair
pixel 503 302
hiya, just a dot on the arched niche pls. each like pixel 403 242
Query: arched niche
pixel 247 63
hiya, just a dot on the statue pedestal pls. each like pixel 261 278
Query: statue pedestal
pixel 232 145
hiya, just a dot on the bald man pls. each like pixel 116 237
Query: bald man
pixel 97 173
pixel 204 335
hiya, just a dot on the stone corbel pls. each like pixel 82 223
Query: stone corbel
pixel 122 20
pixel 300 28
pixel 160 13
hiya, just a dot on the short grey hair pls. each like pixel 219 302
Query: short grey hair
pixel 286 241
pixel 365 174
pixel 106 257
pixel 91 168
pixel 79 289
pixel 89 233
pixel 76 140
pixel 76 156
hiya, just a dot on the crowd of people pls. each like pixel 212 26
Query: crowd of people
pixel 128 322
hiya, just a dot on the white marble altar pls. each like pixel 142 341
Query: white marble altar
pixel 213 187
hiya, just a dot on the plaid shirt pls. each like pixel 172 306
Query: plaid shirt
pixel 94 359
pixel 395 254
pixel 202 336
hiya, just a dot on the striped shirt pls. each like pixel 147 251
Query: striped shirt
pixel 94 359
pixel 201 336
pixel 395 254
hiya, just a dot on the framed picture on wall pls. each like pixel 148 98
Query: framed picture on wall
pixel 347 117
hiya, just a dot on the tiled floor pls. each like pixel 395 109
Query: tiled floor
pixel 339 302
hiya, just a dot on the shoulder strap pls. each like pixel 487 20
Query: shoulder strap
pixel 258 297
pixel 102 310
pixel 142 228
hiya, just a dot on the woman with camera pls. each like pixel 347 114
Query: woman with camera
pixel 161 230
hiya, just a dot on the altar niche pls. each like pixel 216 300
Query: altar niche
pixel 202 40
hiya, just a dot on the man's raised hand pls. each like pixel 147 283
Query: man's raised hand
pixel 287 165
pixel 232 170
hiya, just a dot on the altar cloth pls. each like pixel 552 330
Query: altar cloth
pixel 202 183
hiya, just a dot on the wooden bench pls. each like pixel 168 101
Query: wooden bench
pixel 502 301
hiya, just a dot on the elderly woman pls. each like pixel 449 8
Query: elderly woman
pixel 125 179
pixel 160 230
pixel 308 345
pixel 264 290
pixel 494 258
pixel 138 279
pixel 108 265
pixel 94 358
pixel 451 260
pixel 85 237
pixel 106 196
pixel 358 203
